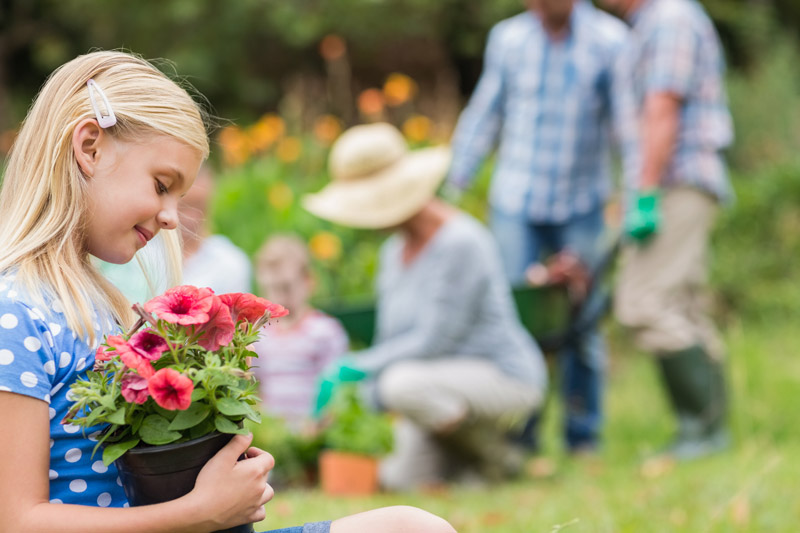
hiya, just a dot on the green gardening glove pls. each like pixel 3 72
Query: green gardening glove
pixel 342 371
pixel 644 216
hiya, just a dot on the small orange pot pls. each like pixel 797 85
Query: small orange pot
pixel 342 473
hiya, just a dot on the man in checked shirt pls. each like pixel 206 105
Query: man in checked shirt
pixel 545 99
pixel 675 124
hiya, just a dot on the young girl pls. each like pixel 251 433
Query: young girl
pixel 106 151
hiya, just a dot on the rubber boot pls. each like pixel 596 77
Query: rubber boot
pixel 695 384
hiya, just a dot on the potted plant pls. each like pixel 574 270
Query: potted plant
pixel 354 438
pixel 173 390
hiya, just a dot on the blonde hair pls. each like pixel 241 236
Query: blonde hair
pixel 43 199
pixel 283 251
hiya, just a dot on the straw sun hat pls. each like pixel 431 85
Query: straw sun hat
pixel 376 181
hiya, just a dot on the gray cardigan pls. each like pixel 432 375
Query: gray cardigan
pixel 453 300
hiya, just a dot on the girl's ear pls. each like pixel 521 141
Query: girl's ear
pixel 85 144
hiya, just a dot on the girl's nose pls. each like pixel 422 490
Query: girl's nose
pixel 167 218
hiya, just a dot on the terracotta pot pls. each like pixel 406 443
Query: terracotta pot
pixel 342 473
pixel 156 474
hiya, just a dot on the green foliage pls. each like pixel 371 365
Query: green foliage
pixel 355 428
pixel 295 453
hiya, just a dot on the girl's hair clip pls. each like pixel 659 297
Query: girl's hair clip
pixel 105 121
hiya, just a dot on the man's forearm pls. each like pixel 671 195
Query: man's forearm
pixel 660 123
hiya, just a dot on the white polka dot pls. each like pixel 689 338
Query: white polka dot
pixel 53 475
pixel 70 395
pixel 99 467
pixel 126 504
pixel 56 500
pixel 119 481
pixel 47 398
pixel 50 367
pixel 73 455
pixel 64 359
pixel 52 442
pixel 52 413
pixel 32 343
pixel 57 307
pixel 94 436
pixel 8 321
pixel 104 500
pixel 48 338
pixel 29 379
pixel 81 364
pixel 71 428
pixel 6 357
pixel 3 388
pixel 55 329
pixel 35 314
pixel 55 389
pixel 12 294
pixel 77 485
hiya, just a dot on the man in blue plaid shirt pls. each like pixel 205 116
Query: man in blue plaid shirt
pixel 675 122
pixel 545 99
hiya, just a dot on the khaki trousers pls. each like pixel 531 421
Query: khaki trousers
pixel 662 287
pixel 430 395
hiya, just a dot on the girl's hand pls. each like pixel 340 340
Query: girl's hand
pixel 233 492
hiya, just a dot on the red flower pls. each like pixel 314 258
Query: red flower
pixel 148 344
pixel 276 310
pixel 245 306
pixel 171 389
pixel 134 388
pixel 218 331
pixel 103 353
pixel 185 305
pixel 130 356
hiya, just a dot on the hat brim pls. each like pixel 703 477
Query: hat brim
pixel 384 199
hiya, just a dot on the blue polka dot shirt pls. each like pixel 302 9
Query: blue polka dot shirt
pixel 40 357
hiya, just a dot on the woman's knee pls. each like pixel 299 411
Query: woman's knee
pixel 395 519
pixel 397 384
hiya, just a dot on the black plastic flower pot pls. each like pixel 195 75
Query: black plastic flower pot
pixel 159 474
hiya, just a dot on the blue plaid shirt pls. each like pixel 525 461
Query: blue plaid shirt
pixel 549 105
pixel 674 48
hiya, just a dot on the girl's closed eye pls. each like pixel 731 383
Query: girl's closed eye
pixel 160 187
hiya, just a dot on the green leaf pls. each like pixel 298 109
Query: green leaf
pixel 155 430
pixel 114 451
pixel 231 407
pixel 117 417
pixel 198 394
pixel 225 425
pixel 196 413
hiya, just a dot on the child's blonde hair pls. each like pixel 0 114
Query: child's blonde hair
pixel 283 251
pixel 43 199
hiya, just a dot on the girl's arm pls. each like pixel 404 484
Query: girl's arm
pixel 228 492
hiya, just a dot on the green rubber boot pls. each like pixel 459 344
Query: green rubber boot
pixel 695 384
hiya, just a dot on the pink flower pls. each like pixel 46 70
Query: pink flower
pixel 276 310
pixel 185 305
pixel 148 344
pixel 103 353
pixel 130 356
pixel 134 388
pixel 245 306
pixel 171 389
pixel 218 331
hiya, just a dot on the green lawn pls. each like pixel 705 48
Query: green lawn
pixel 749 488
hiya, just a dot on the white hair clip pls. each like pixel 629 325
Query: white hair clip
pixel 105 121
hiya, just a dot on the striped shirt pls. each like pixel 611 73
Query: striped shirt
pixel 290 362
pixel 547 105
pixel 674 48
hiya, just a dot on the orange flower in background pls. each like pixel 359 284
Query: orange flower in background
pixel 399 89
pixel 266 131
pixel 370 102
pixel 235 145
pixel 280 195
pixel 332 47
pixel 325 246
pixel 327 128
pixel 288 149
pixel 417 128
